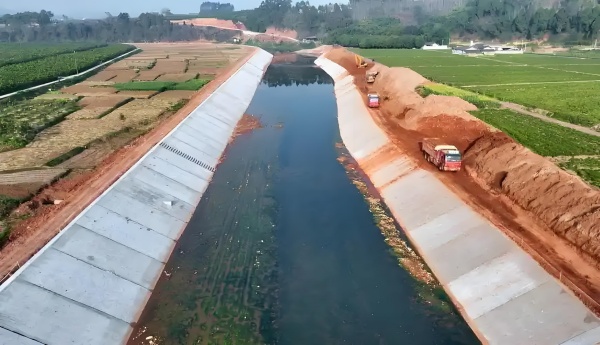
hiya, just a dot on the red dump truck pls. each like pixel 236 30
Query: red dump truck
pixel 373 99
pixel 444 157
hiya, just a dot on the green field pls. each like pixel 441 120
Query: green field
pixel 565 86
pixel 190 85
pixel 12 53
pixel 21 121
pixel 18 76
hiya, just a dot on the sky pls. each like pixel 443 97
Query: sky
pixel 96 8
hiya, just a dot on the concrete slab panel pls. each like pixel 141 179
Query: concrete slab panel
pixel 127 232
pixel 106 254
pixel 183 177
pixel 9 338
pixel 194 151
pixel 545 315
pixel 470 250
pixel 167 185
pixel 141 213
pixel 201 123
pixel 445 228
pixel 163 156
pixel 205 136
pixel 54 320
pixel 391 171
pixel 199 144
pixel 78 281
pixel 496 282
pixel 419 198
pixel 156 199
pixel 591 337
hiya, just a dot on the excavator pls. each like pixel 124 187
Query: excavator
pixel 360 62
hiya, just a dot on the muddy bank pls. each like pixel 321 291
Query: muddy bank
pixel 562 202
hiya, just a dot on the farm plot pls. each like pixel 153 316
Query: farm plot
pixel 21 121
pixel 22 75
pixel 575 103
pixel 83 89
pixel 138 94
pixel 178 77
pixel 138 111
pixel 147 75
pixel 105 75
pixel 175 95
pixel 566 87
pixel 13 53
pixel 95 107
pixel 124 76
pixel 168 66
pixel 24 183
pixel 572 150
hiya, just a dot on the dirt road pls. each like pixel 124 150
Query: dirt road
pixel 521 109
pixel 33 233
pixel 574 268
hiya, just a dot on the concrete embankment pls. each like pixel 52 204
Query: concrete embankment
pixel 91 282
pixel 502 292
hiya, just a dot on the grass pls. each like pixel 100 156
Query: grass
pixel 586 168
pixel 544 138
pixel 565 86
pixel 480 101
pixel 7 204
pixel 21 121
pixel 575 103
pixel 190 85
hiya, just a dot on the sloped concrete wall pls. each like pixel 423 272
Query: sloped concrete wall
pixel 93 279
pixel 503 293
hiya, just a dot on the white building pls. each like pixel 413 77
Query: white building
pixel 434 46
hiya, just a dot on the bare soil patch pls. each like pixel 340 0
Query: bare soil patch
pixel 175 95
pixel 137 94
pixel 105 75
pixel 147 75
pixel 124 76
pixel 84 90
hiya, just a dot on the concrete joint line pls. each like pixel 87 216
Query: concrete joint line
pixel 102 269
pixel 74 302
pixel 22 335
pixel 119 243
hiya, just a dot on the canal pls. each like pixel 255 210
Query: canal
pixel 283 248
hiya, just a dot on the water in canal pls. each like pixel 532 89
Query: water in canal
pixel 283 249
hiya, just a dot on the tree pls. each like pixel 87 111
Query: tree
pixel 166 12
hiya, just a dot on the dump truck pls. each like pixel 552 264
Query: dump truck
pixel 445 157
pixel 371 76
pixel 373 100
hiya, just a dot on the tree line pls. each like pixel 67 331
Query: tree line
pixel 148 27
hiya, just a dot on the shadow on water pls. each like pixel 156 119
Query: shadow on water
pixel 283 249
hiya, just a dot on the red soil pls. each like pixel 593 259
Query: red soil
pixel 553 215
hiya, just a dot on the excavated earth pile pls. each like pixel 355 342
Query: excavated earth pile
pixel 565 204
pixel 561 203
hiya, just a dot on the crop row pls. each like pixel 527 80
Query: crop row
pixel 544 138
pixel 20 76
pixel 13 53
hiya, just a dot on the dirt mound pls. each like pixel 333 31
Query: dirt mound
pixel 568 206
pixel 271 30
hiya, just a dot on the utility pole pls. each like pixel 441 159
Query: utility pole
pixel 75 58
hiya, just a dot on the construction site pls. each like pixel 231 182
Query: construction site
pixel 497 244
